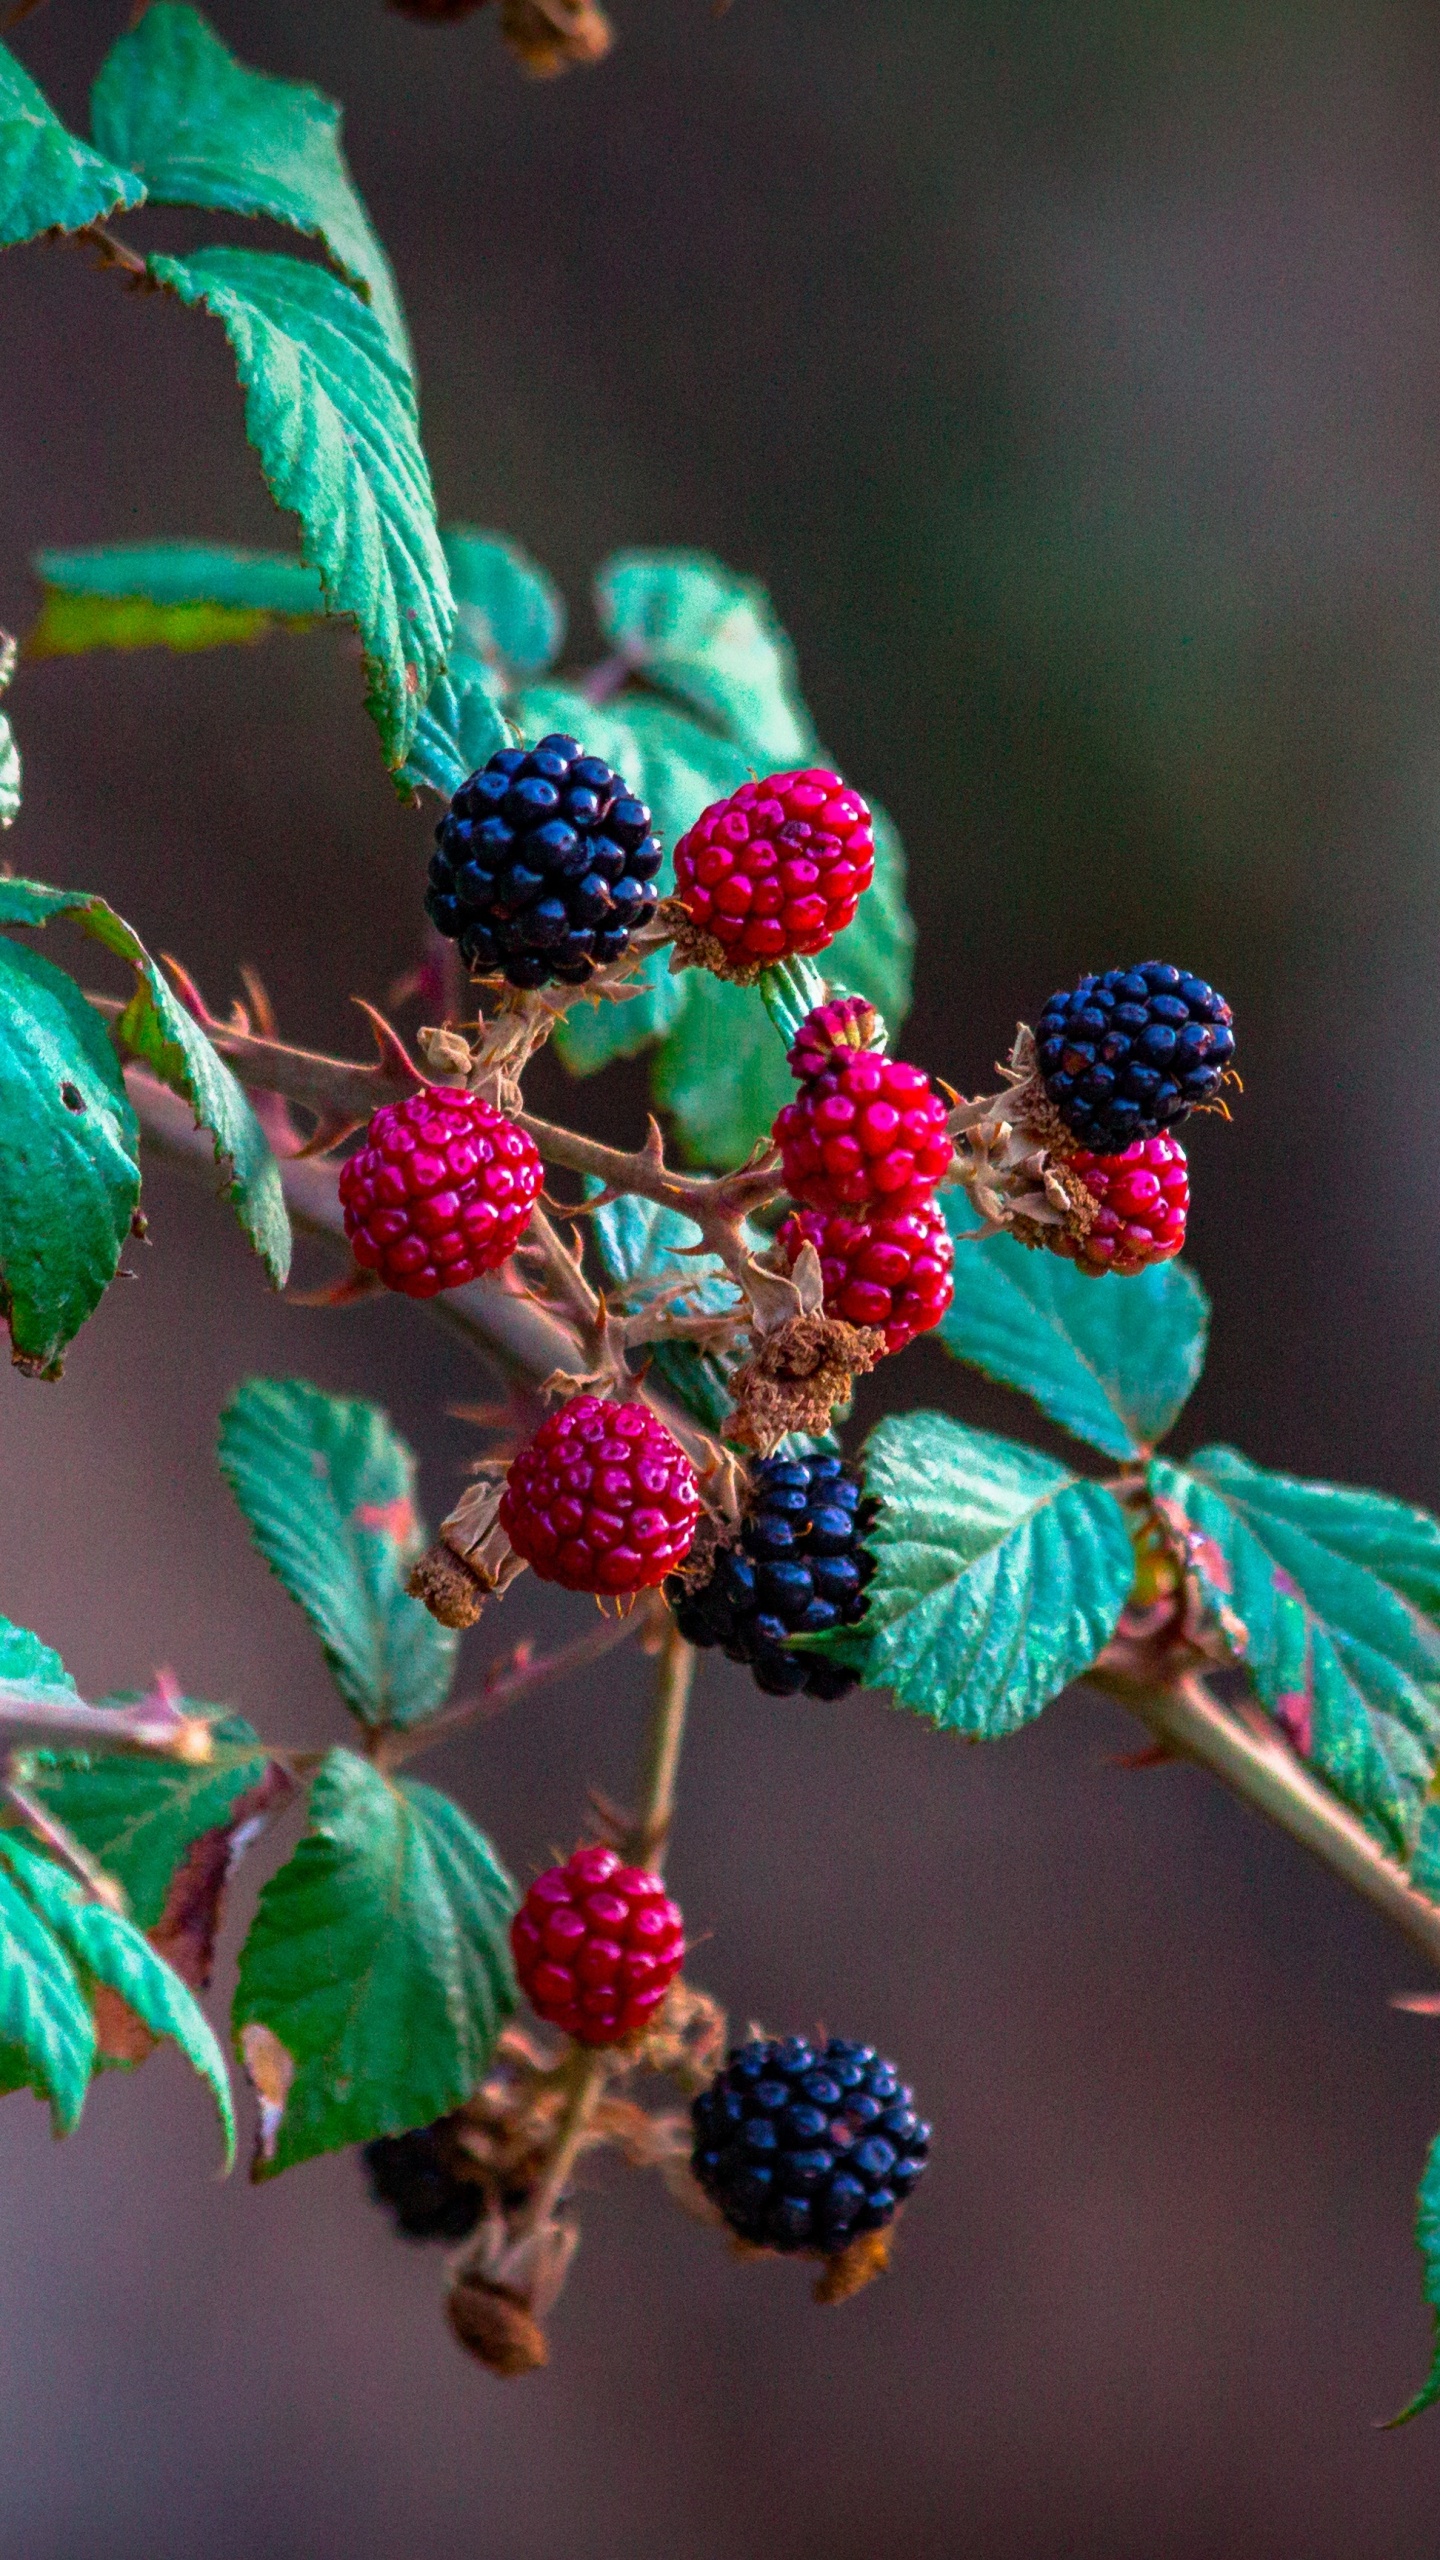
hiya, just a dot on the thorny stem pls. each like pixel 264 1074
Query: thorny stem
pixel 1259 1766
pixel 507 1682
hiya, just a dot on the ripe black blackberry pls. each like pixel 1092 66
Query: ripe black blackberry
pixel 1127 1054
pixel 544 865
pixel 805 2146
pixel 410 2174
pixel 799 1568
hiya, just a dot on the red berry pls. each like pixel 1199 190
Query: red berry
pixel 597 1945
pixel 779 867
pixel 864 1129
pixel 602 1499
pixel 1144 1195
pixel 893 1269
pixel 441 1190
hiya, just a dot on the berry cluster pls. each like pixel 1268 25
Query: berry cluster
pixel 1144 1199
pixel 800 1568
pixel 1132 1052
pixel 601 1499
pixel 544 865
pixel 894 1270
pixel 777 869
pixel 805 2146
pixel 441 1190
pixel 597 1945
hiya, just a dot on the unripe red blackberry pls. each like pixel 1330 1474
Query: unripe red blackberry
pixel 441 1190
pixel 890 1268
pixel 777 869
pixel 597 1945
pixel 864 1129
pixel 602 1499
pixel 1144 1197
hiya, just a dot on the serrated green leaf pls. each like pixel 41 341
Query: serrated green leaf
pixel 47 2035
pixel 1338 1590
pixel 49 179
pixel 156 1028
pixel 111 1950
pixel 137 1816
pixel 379 1959
pixel 509 611
pixel 69 1167
pixel 330 410
pixel 199 128
pixel 9 752
pixel 639 1240
pixel 461 727
pixel 171 595
pixel 1427 2241
pixel 1110 1360
pixel 328 1488
pixel 999 1576
pixel 712 637
pixel 26 1663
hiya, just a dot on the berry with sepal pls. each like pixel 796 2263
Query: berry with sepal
pixel 800 1568
pixel 774 871
pixel 597 1945
pixel 864 1129
pixel 1133 1051
pixel 1143 1197
pixel 441 1190
pixel 890 1268
pixel 544 866
pixel 602 1498
pixel 807 2146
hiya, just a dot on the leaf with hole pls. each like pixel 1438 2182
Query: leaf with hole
pixel 328 1488
pixel 377 1971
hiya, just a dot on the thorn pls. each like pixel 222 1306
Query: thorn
pixel 348 1292
pixel 1421 2004
pixel 262 1010
pixel 394 1056
pixel 1151 1755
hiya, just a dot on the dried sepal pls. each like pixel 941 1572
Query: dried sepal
pixel 550 36
pixel 796 1376
pixel 502 2289
pixel 472 1560
pixel 848 2273
pixel 1011 1156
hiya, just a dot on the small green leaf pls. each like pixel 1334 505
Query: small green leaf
pixel 26 1663
pixel 1338 1591
pixel 999 1576
pixel 330 409
pixel 172 103
pixel 9 752
pixel 172 595
pixel 69 1167
pixel 508 611
pixel 638 1240
pixel 712 638
pixel 138 1816
pixel 328 1488
pixel 111 1950
pixel 379 1960
pixel 1427 2241
pixel 1110 1360
pixel 461 727
pixel 49 180
pixel 47 2035
pixel 156 1028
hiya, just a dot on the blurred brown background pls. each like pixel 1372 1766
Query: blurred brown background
pixel 1070 374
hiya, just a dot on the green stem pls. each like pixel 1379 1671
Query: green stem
pixel 649 1834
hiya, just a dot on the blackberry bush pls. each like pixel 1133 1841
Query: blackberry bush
pixel 677 1328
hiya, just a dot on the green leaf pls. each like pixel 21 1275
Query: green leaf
pixel 330 409
pixel 999 1576
pixel 26 1663
pixel 1338 1591
pixel 172 103
pixel 509 612
pixel 156 1028
pixel 112 1951
pixel 639 1240
pixel 138 1816
pixel 1427 2241
pixel 47 2035
pixel 9 752
pixel 379 1960
pixel 712 638
pixel 328 1488
pixel 69 1167
pixel 1110 1360
pixel 172 595
pixel 49 180
pixel 461 727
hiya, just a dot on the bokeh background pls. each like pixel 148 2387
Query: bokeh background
pixel 1070 374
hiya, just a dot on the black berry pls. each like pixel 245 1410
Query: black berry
pixel 1129 1053
pixel 804 2146
pixel 544 865
pixel 799 1568
pixel 410 2174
